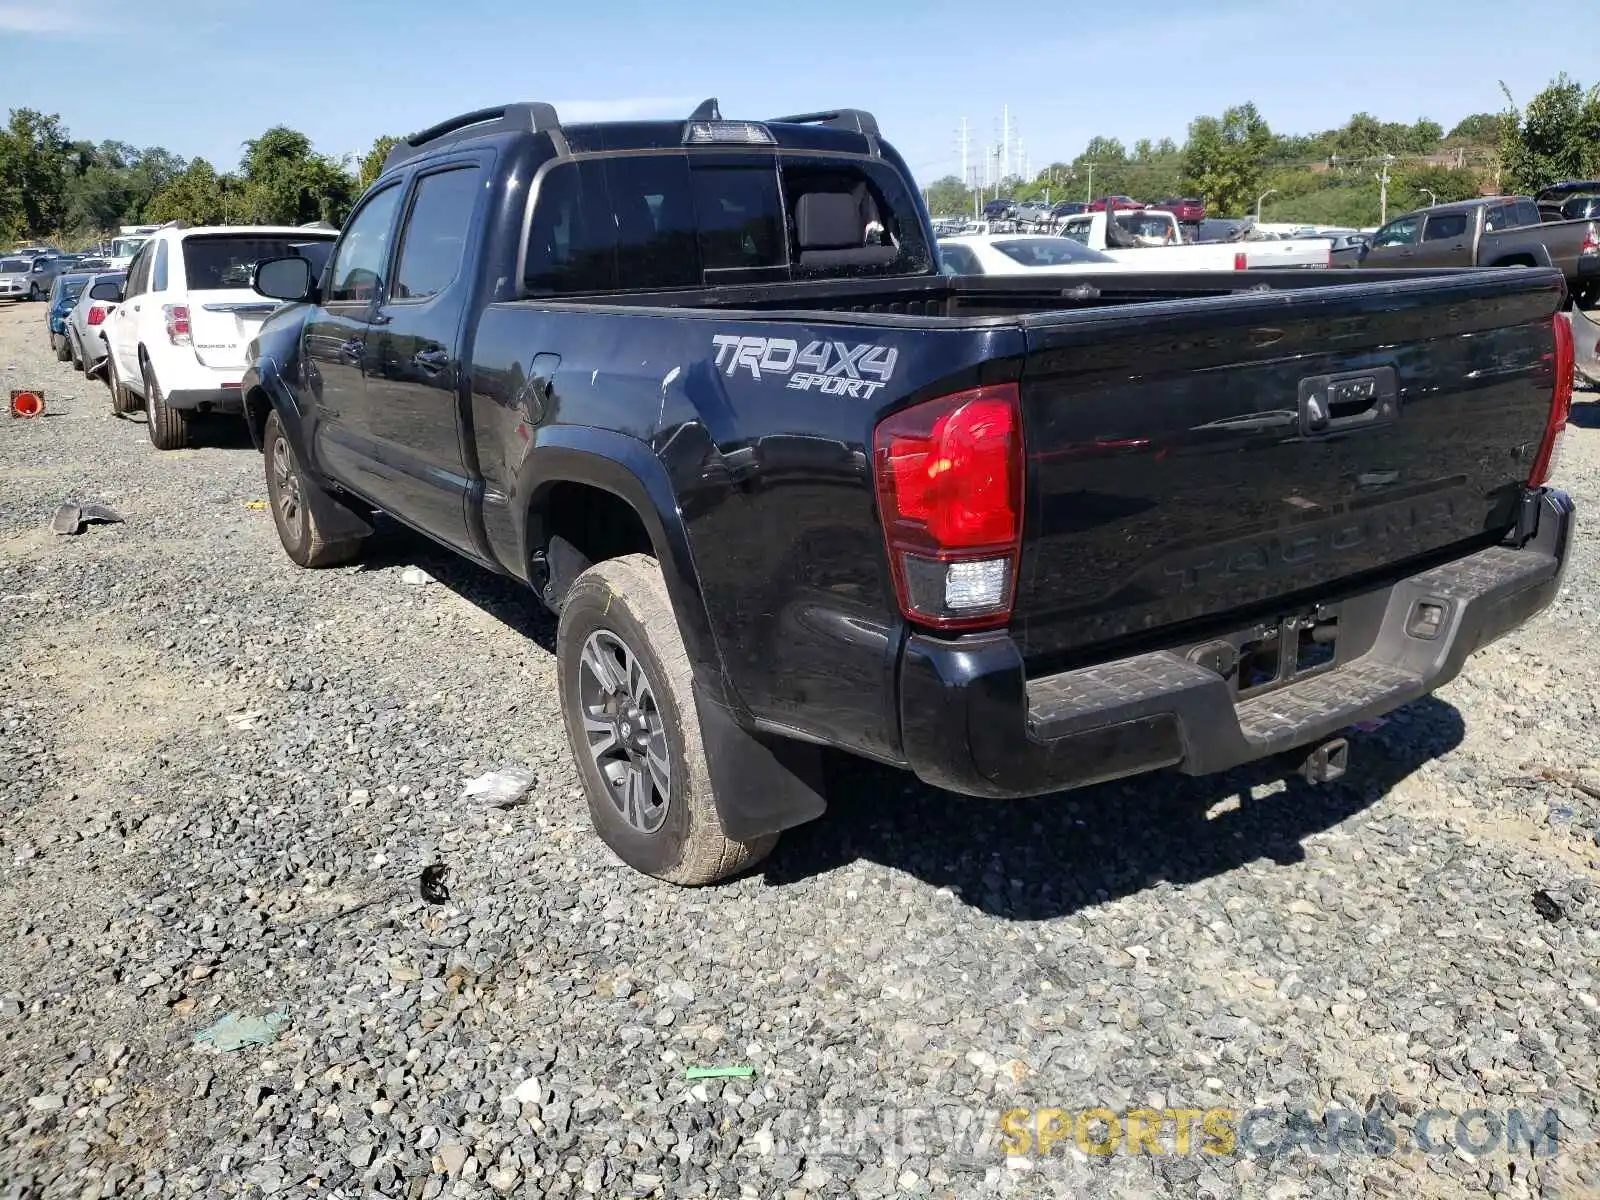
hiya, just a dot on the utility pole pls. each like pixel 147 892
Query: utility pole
pixel 965 142
pixel 1005 141
pixel 1089 199
pixel 1383 190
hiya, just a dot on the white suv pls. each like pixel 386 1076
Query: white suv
pixel 177 340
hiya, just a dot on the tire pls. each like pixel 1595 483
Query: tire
pixel 33 292
pixel 168 426
pixel 73 354
pixel 302 539
pixel 64 350
pixel 123 401
pixel 616 611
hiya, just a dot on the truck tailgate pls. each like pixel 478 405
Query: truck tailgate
pixel 1208 461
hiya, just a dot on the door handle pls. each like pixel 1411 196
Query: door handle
pixel 432 360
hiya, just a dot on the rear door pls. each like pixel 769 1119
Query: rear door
pixel 1203 462
pixel 1446 240
pixel 415 354
pixel 224 310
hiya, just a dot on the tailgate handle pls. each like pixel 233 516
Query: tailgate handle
pixel 1355 399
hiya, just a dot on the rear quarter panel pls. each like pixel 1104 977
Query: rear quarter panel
pixel 769 463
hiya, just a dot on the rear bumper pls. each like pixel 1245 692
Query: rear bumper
pixel 972 722
pixel 227 400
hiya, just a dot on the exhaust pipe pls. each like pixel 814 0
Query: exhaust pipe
pixel 1327 762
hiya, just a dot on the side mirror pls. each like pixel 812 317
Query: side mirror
pixel 283 279
pixel 109 290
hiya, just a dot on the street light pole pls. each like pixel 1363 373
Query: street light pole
pixel 1260 198
pixel 1433 197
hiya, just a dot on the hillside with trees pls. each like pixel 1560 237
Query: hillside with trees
pixel 55 186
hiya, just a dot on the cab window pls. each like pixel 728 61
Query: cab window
pixel 1399 233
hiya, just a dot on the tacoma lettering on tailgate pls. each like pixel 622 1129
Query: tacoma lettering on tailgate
pixel 833 368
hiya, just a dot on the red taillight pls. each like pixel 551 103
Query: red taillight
pixel 1560 403
pixel 97 314
pixel 1239 261
pixel 177 316
pixel 949 474
pixel 1591 240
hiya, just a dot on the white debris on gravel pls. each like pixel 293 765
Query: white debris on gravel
pixel 220 777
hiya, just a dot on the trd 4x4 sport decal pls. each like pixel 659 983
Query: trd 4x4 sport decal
pixel 833 368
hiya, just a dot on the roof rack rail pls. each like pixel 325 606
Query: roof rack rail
pixel 853 119
pixel 532 116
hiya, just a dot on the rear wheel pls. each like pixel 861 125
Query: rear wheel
pixel 302 538
pixel 628 704
pixel 168 426
pixel 123 401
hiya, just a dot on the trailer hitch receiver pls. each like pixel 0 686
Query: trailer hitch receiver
pixel 1327 762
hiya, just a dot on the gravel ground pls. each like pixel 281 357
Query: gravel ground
pixel 220 778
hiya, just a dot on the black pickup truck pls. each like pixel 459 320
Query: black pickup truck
pixel 703 386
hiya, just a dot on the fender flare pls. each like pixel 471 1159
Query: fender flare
pixel 629 469
pixel 761 783
pixel 336 519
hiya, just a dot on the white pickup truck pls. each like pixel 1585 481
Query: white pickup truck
pixel 1155 240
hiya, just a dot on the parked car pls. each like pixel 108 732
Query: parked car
pixel 1347 247
pixel 1035 213
pixel 64 294
pixel 1573 200
pixel 1586 345
pixel 1500 231
pixel 1114 203
pixel 27 277
pixel 996 534
pixel 1190 210
pixel 1020 254
pixel 178 334
pixel 1062 209
pixel 86 342
pixel 92 263
pixel 1151 232
pixel 999 209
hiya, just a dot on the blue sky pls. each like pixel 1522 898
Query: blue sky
pixel 200 76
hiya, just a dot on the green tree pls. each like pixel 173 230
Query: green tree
pixel 285 183
pixel 1479 127
pixel 1556 137
pixel 35 157
pixel 1416 186
pixel 198 196
pixel 949 197
pixel 1225 157
pixel 372 164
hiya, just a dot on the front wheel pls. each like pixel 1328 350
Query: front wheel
pixel 298 530
pixel 64 349
pixel 628 703
pixel 33 292
pixel 73 353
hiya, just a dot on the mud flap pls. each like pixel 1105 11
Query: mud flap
pixel 762 783
pixel 336 520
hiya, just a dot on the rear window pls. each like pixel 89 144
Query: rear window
pixel 72 288
pixel 1049 252
pixel 647 222
pixel 225 261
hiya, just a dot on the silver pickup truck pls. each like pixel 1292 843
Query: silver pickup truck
pixel 28 277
